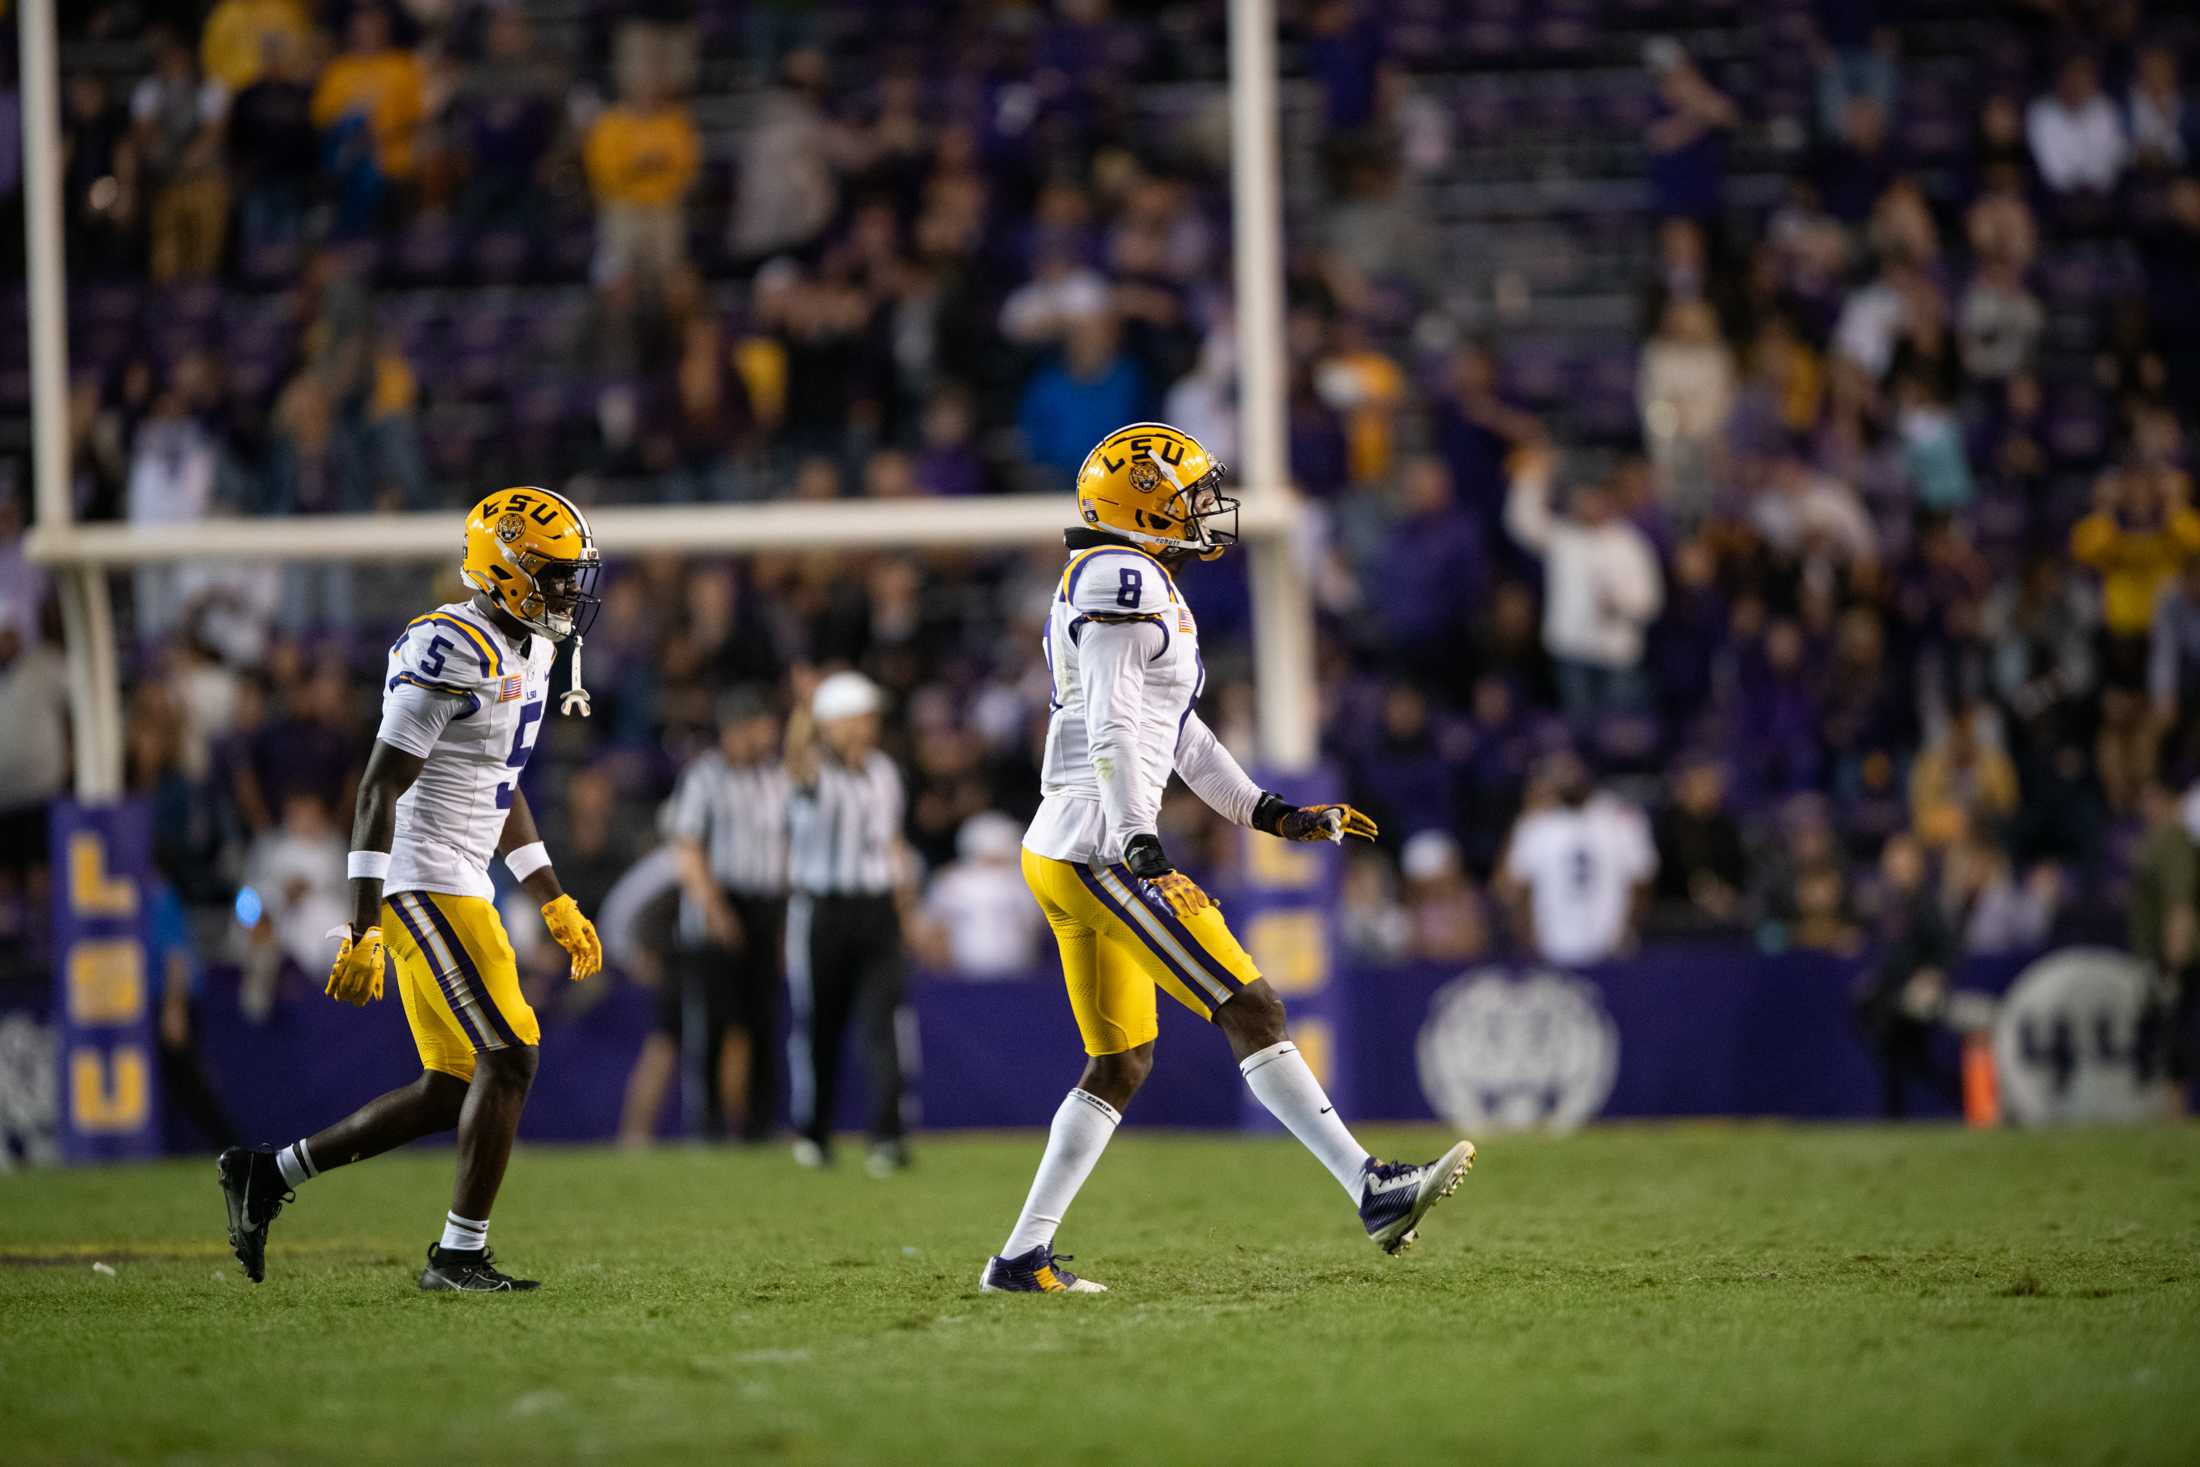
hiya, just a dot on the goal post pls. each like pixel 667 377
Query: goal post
pixel 84 555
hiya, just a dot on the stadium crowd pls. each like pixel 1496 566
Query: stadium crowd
pixel 1867 547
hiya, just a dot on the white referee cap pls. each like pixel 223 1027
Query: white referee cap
pixel 845 695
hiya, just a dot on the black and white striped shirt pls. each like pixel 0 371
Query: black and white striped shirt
pixel 844 832
pixel 738 814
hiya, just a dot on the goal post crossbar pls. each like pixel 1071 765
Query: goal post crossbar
pixel 700 529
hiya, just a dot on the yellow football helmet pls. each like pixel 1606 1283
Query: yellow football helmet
pixel 1154 485
pixel 530 551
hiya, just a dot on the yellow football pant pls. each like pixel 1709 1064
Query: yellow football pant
pixel 1120 941
pixel 458 978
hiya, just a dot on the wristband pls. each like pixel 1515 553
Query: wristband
pixel 368 866
pixel 1269 812
pixel 527 860
pixel 1145 858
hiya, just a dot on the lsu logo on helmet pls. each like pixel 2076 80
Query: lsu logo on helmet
pixel 1158 487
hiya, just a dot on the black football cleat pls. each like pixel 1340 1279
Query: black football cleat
pixel 253 1187
pixel 474 1271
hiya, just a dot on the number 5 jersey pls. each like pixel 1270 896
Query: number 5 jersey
pixel 469 700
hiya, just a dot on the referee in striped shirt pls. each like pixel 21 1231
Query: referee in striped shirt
pixel 728 824
pixel 847 866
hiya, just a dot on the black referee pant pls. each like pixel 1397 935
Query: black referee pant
pixel 845 968
pixel 720 988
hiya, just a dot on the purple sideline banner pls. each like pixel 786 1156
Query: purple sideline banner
pixel 104 999
pixel 1701 1029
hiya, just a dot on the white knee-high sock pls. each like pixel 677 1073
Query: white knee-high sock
pixel 1282 1082
pixel 1081 1129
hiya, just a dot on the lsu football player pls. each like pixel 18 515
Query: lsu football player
pixel 1123 649
pixel 463 698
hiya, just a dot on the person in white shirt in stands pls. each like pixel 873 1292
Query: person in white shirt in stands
pixel 1577 870
pixel 979 919
pixel 1601 588
pixel 2076 136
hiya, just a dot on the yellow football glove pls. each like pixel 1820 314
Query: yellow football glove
pixel 357 977
pixel 1181 893
pixel 575 933
pixel 1326 822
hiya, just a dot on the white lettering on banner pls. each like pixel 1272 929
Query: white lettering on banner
pixel 1498 1054
pixel 2077 1041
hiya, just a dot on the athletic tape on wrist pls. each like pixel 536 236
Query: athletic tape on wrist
pixel 367 866
pixel 527 860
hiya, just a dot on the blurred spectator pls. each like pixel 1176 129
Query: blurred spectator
pixel 978 919
pixel 1688 138
pixel 1686 394
pixel 1701 864
pixel 1934 454
pixel 1477 430
pixel 788 189
pixel 1999 322
pixel 1799 888
pixel 2139 536
pixel 1577 870
pixel 1857 165
pixel 1062 294
pixel 241 35
pixel 34 701
pixel 374 84
pixel 642 158
pixel 506 116
pixel 1857 59
pixel 1963 783
pixel 1427 580
pixel 1601 584
pixel 1365 388
pixel 294 874
pixel 1998 912
pixel 1443 915
pixel 1806 514
pixel 1371 920
pixel 273 151
pixel 2076 136
pixel 176 124
pixel 2164 128
pixel 1901 1001
pixel 1073 403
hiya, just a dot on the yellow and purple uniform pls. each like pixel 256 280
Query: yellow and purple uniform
pixel 468 700
pixel 1123 648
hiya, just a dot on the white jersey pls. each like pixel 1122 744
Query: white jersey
pixel 1123 650
pixel 469 700
pixel 1581 867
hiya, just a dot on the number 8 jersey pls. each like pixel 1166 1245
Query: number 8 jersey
pixel 469 700
pixel 1123 716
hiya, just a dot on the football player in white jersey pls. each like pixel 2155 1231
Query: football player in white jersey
pixel 1123 648
pixel 462 702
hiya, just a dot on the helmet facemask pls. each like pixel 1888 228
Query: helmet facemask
pixel 1210 517
pixel 561 601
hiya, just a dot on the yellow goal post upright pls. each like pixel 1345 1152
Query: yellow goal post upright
pixel 83 555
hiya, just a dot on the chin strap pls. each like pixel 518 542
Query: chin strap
pixel 575 696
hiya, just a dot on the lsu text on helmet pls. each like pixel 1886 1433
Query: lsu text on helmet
pixel 1157 487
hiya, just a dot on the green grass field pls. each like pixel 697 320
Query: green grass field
pixel 1722 1294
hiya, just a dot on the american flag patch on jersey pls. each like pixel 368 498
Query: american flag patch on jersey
pixel 510 690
